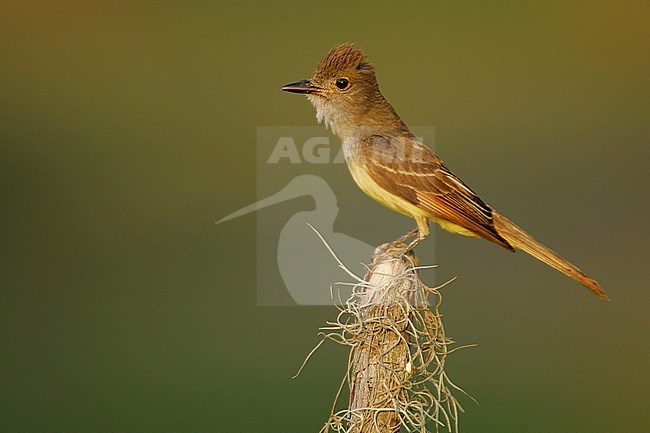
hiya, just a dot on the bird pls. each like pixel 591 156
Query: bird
pixel 399 171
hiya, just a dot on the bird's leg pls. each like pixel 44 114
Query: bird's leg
pixel 422 231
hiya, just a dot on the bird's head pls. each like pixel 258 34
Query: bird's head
pixel 343 89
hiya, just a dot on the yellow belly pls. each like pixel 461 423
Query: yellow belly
pixel 398 204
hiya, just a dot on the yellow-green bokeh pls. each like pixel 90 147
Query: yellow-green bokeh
pixel 129 128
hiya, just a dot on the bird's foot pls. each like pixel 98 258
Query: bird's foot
pixel 421 233
pixel 402 245
pixel 414 243
pixel 408 235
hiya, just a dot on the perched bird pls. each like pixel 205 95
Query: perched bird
pixel 396 169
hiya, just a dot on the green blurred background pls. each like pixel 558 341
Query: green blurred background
pixel 128 128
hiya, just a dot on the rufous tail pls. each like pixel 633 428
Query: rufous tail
pixel 521 240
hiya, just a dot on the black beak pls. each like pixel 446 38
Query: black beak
pixel 304 86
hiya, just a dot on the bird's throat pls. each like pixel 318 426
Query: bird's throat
pixel 346 120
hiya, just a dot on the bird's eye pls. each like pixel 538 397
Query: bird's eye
pixel 342 83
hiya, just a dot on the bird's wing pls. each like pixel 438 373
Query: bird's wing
pixel 408 169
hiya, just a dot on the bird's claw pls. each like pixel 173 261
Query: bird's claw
pixel 405 247
pixel 408 235
pixel 414 243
